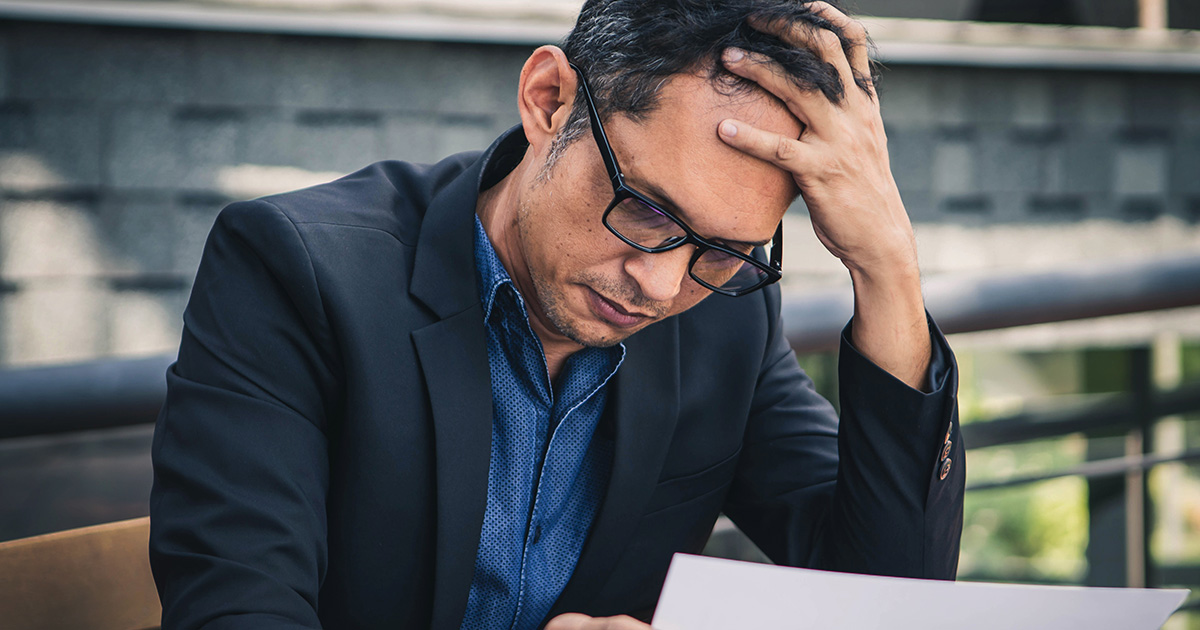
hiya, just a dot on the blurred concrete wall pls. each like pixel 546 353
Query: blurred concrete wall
pixel 119 145
pixel 1119 13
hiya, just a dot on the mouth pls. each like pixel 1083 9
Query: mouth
pixel 613 313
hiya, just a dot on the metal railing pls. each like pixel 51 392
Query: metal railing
pixel 1132 417
pixel 975 303
pixel 111 393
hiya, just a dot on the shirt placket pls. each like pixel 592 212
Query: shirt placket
pixel 551 465
pixel 557 466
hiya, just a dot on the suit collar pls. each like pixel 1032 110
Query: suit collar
pixel 444 265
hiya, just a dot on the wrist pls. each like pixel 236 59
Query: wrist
pixel 898 269
pixel 890 326
pixel 891 254
pixel 889 291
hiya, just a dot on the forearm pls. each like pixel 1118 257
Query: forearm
pixel 889 321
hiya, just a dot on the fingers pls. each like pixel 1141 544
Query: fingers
pixel 576 621
pixel 851 61
pixel 853 30
pixel 787 153
pixel 811 107
pixel 569 621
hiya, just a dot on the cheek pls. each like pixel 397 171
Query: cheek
pixel 590 246
pixel 690 294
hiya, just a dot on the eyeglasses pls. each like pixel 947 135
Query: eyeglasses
pixel 728 269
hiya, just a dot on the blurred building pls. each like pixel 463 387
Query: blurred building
pixel 1118 13
pixel 126 126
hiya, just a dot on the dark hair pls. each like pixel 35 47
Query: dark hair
pixel 630 48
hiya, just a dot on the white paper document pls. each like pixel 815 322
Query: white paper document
pixel 712 594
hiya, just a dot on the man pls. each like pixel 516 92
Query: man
pixel 498 391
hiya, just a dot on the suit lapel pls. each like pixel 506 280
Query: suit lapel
pixel 443 275
pixel 645 404
pixel 453 355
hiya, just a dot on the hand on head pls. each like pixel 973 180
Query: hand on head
pixel 840 160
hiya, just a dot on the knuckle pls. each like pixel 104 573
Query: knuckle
pixel 828 39
pixel 823 9
pixel 784 151
pixel 794 33
pixel 855 30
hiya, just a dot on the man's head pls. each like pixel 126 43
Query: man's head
pixel 661 91
pixel 629 48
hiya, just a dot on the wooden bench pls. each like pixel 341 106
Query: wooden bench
pixel 92 578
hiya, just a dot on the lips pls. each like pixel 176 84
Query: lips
pixel 614 313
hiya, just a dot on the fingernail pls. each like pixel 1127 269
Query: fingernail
pixel 728 129
pixel 734 55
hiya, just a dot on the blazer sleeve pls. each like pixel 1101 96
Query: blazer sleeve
pixel 240 457
pixel 879 492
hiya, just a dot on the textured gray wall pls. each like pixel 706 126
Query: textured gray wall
pixel 119 145
pixel 1001 146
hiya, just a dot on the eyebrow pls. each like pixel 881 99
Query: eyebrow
pixel 677 210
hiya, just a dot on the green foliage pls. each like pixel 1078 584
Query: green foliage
pixel 1028 533
pixel 1191 362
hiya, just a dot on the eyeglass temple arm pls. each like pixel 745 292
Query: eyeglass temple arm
pixel 610 160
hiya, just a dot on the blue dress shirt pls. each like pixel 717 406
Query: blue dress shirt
pixel 548 472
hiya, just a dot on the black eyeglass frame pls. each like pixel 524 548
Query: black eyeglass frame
pixel 621 191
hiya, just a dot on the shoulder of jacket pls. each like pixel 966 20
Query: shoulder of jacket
pixel 389 196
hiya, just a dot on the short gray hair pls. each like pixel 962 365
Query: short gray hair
pixel 629 49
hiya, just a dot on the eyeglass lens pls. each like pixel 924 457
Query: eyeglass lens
pixel 652 229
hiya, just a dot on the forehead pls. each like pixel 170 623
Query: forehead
pixel 719 190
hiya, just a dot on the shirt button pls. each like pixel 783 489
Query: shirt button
pixel 945 469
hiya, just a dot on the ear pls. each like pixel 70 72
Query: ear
pixel 545 95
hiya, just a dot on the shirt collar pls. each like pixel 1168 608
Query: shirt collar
pixel 491 272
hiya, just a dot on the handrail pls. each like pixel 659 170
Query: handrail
pixel 119 392
pixel 1107 412
pixel 813 321
pixel 1112 467
pixel 103 394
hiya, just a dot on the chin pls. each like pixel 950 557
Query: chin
pixel 582 326
pixel 595 335
pixel 567 309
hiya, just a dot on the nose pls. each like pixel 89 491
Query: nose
pixel 660 276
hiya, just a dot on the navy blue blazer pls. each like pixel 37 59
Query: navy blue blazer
pixel 321 459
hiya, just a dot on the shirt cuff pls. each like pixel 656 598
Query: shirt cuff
pixel 939 365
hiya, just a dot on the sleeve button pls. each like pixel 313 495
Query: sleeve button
pixel 945 469
pixel 946 450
